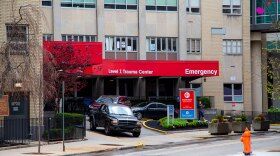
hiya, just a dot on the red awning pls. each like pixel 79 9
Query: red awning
pixel 132 68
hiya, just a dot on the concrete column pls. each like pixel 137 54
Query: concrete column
pixel 56 20
pixel 100 24
pixel 157 87
pixel 117 87
pixel 182 36
pixel 264 76
pixel 93 88
pixel 247 58
pixel 99 86
pixel 142 29
pixel 142 87
pixel 180 84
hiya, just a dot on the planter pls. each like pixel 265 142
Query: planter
pixel 239 126
pixel 260 125
pixel 219 128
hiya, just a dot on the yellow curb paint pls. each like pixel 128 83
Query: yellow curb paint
pixel 144 124
pixel 275 124
pixel 140 145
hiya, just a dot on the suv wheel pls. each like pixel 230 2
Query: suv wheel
pixel 136 134
pixel 139 116
pixel 107 129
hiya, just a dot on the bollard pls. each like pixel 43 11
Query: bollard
pixel 246 139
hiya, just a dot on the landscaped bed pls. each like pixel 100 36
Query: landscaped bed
pixel 179 124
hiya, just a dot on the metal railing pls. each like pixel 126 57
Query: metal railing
pixel 18 131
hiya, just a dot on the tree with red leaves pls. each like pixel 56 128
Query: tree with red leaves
pixel 65 61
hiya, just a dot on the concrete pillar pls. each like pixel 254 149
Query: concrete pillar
pixel 142 29
pixel 142 89
pixel 256 49
pixel 100 24
pixel 157 87
pixel 117 86
pixel 56 20
pixel 182 36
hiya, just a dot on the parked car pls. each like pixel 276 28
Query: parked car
pixel 153 110
pixel 115 118
pixel 109 99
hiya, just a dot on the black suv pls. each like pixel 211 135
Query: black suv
pixel 115 118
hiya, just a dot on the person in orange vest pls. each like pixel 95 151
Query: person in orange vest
pixel 246 139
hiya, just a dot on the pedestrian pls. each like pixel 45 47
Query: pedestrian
pixel 200 111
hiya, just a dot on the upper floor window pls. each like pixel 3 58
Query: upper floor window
pixel 193 6
pixel 78 3
pixel 161 5
pixel 233 93
pixel 47 37
pixel 232 47
pixel 17 37
pixel 79 38
pixel 121 4
pixel 161 44
pixel 193 46
pixel 46 2
pixel 232 7
pixel 121 43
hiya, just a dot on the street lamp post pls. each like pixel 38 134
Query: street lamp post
pixel 63 116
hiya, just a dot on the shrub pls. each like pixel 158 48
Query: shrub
pixel 244 117
pixel 181 123
pixel 70 119
pixel 273 109
pixel 225 120
pixel 238 119
pixel 260 117
pixel 214 120
pixel 220 118
pixel 205 101
pixel 56 134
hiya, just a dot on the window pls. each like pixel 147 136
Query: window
pixel 79 38
pixel 121 4
pixel 78 3
pixel 193 46
pixel 193 6
pixel 17 37
pixel 233 47
pixel 46 2
pixel 121 43
pixel 161 5
pixel 232 7
pixel 233 93
pixel 47 37
pixel 161 44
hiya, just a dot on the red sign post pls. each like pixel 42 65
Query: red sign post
pixel 187 104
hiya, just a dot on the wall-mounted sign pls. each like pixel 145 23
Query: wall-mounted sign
pixel 154 68
pixel 187 104
pixel 4 105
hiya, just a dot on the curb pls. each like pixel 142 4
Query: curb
pixel 35 144
pixel 154 129
pixel 105 150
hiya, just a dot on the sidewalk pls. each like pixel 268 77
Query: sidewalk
pixel 97 142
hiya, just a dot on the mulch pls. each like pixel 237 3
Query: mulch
pixel 154 124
